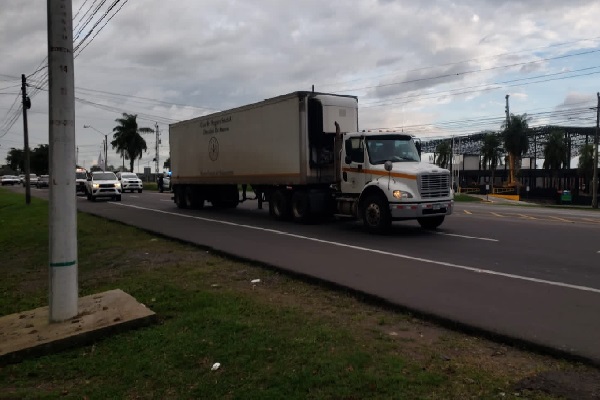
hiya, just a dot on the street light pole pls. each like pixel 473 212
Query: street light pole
pixel 105 145
pixel 595 182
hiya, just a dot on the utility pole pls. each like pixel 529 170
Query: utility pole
pixel 26 105
pixel 63 265
pixel 595 183
pixel 105 151
pixel 157 147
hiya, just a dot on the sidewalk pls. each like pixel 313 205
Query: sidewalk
pixel 499 200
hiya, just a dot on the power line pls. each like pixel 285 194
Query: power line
pixel 469 72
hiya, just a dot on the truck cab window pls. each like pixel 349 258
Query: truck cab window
pixel 355 150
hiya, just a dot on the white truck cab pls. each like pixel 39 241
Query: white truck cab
pixel 384 180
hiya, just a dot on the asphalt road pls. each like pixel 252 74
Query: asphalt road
pixel 524 274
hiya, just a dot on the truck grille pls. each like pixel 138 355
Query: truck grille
pixel 107 185
pixel 434 185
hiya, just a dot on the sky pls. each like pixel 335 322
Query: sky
pixel 430 68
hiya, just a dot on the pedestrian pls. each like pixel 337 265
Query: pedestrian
pixel 160 183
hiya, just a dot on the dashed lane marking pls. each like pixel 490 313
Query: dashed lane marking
pixel 498 215
pixel 561 219
pixel 467 212
pixel 467 237
pixel 382 252
pixel 526 216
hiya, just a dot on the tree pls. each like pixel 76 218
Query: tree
pixel 39 160
pixel 491 153
pixel 127 139
pixel 555 154
pixel 443 154
pixel 16 159
pixel 585 166
pixel 516 142
pixel 167 164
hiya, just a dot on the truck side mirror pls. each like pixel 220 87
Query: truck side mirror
pixel 348 160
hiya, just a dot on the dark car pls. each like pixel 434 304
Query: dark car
pixel 43 181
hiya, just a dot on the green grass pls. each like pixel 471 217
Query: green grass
pixel 280 339
pixel 465 197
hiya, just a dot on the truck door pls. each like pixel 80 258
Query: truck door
pixel 353 173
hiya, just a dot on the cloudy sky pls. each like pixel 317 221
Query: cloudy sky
pixel 433 68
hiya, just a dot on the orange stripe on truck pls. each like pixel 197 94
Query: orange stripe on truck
pixel 381 173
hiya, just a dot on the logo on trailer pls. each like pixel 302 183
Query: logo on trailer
pixel 213 148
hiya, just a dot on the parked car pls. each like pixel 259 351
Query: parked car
pixel 43 181
pixel 166 183
pixel 10 180
pixel 33 178
pixel 80 179
pixel 103 184
pixel 21 179
pixel 130 181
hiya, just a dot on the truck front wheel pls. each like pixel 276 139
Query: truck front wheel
pixel 431 222
pixel 376 214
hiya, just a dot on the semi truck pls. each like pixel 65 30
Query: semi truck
pixel 303 154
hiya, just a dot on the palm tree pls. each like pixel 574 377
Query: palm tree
pixel 555 153
pixel 586 164
pixel 442 155
pixel 516 142
pixel 127 139
pixel 491 153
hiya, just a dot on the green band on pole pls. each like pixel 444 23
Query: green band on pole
pixel 63 264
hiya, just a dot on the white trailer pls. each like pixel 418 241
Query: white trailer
pixel 302 153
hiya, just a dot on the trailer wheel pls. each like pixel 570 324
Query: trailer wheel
pixel 179 196
pixel 301 210
pixel 279 205
pixel 188 197
pixel 376 214
pixel 431 222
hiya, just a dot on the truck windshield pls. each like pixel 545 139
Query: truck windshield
pixel 105 176
pixel 395 148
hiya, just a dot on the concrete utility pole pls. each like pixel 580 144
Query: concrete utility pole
pixel 26 105
pixel 595 183
pixel 64 297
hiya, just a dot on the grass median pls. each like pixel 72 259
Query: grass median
pixel 280 338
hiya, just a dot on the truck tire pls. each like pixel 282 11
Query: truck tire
pixel 301 210
pixel 279 205
pixel 431 222
pixel 376 214
pixel 188 197
pixel 179 196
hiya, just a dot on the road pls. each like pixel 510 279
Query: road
pixel 523 274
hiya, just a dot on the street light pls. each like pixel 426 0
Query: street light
pixel 595 182
pixel 105 145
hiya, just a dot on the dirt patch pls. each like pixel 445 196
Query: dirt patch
pixel 572 385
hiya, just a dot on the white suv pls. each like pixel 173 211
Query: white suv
pixel 130 181
pixel 102 184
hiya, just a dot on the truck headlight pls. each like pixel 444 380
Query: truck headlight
pixel 95 185
pixel 401 195
pixel 118 185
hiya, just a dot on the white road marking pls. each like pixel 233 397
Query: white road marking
pixel 382 252
pixel 561 219
pixel 467 237
pixel 497 215
pixel 468 212
pixel 526 216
